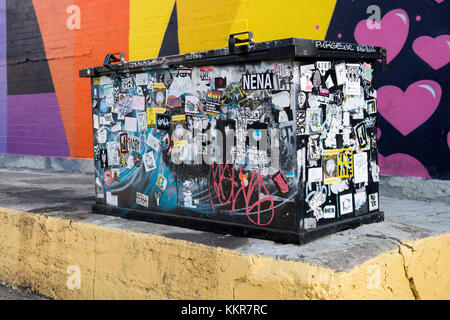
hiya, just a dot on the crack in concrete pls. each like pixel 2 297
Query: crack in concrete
pixel 412 285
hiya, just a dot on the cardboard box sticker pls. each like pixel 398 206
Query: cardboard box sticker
pixel 315 174
pixel 107 177
pixel 149 161
pixel 102 135
pixel 130 124
pixel 142 199
pixel 142 121
pixel 139 103
pixel 314 120
pixel 113 153
pixel 134 143
pixel 153 142
pixel 174 102
pixel 362 137
pixel 112 200
pixel 126 83
pixel 213 102
pixel 341 74
pixel 159 95
pixel 103 158
pixel 281 183
pixel 99 191
pixel 330 166
pixel 373 201
pixel 161 183
pixel 116 127
pixel 360 164
pixel 371 106
pixel 141 79
pixel 123 140
pixel 346 203
pixel 360 200
pixel 191 105
pixel 205 74
pixel 115 175
pixel 151 116
pixel 345 163
pixel 329 212
pixel 366 71
pixel 163 122
pixel 220 83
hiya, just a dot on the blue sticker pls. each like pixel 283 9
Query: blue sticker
pixel 103 106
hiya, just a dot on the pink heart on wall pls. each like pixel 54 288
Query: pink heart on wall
pixel 435 52
pixel 448 139
pixel 408 110
pixel 391 34
pixel 439 1
pixel 400 164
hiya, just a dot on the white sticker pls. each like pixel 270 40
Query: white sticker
pixel 346 203
pixel 360 167
pixel 149 161
pixel 329 212
pixel 153 142
pixel 329 83
pixel 281 100
pixel 323 66
pixel 102 135
pixel 138 103
pixel 141 79
pixel 341 74
pixel 375 171
pixel 111 199
pixel 104 80
pixel 179 86
pixel 95 121
pixel 141 199
pixel 373 201
pixel 130 124
pixel 360 199
pixel 315 174
pixel 116 128
pixel 142 121
pixel 113 153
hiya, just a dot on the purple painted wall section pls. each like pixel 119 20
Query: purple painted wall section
pixel 3 78
pixel 35 126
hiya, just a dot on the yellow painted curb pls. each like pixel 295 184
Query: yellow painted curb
pixel 45 254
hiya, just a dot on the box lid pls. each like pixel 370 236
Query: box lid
pixel 294 48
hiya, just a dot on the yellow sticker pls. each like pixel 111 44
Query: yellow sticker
pixel 159 85
pixel 151 116
pixel 179 118
pixel 180 143
pixel 96 81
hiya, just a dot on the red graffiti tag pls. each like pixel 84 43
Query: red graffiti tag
pixel 223 183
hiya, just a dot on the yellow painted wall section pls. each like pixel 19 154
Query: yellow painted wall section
pixel 203 25
pixel 148 23
pixel 271 20
pixel 36 252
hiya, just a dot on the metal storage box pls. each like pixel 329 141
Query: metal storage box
pixel 274 140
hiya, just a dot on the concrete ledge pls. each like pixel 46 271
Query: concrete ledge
pixel 48 229
pixel 11 161
pixel 415 188
pixel 115 263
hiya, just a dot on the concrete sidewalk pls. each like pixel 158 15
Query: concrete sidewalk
pixel 406 256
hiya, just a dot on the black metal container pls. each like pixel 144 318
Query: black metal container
pixel 275 140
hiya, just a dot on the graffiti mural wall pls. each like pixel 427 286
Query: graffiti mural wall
pixel 45 107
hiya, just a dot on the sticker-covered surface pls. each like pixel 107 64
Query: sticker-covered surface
pixel 336 140
pixel 270 144
pixel 210 142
